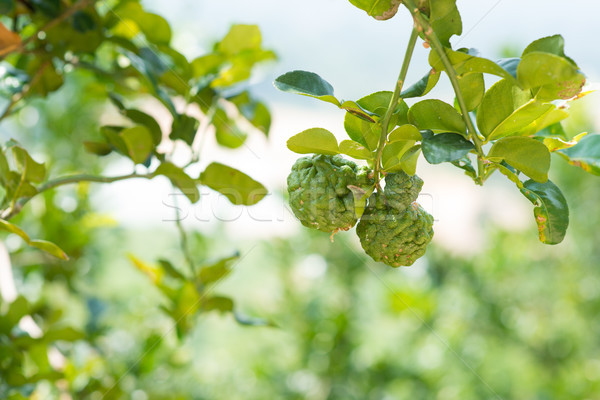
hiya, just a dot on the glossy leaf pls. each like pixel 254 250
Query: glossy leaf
pixel 404 132
pixel 586 154
pixel 139 143
pixel 355 150
pixel 498 104
pixel 179 179
pixel 553 77
pixel 378 9
pixel 361 131
pixel 554 144
pixel 436 115
pixel 423 86
pixel 445 20
pixel 465 63
pixel 472 87
pixel 392 154
pixel 551 210
pixel 408 163
pixel 238 187
pixel 445 147
pixel 307 84
pixel 528 155
pixel 314 140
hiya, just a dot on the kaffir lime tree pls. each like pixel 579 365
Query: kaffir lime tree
pixel 512 127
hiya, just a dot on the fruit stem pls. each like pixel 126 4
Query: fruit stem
pixel 436 45
pixel 394 102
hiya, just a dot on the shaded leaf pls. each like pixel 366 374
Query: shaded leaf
pixel 215 272
pixel 423 86
pixel 445 147
pixel 98 148
pixel 551 210
pixel 138 140
pixel 307 84
pixel 227 132
pixel 586 154
pixel 184 127
pixel 472 87
pixel 392 153
pixel 361 131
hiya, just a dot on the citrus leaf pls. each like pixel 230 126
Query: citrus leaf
pixel 445 147
pixel 314 140
pixel 445 20
pixel 378 9
pixel 586 154
pixel 238 187
pixel 138 140
pixel 472 87
pixel 391 155
pixel 554 144
pixel 307 84
pixel 361 131
pixel 179 179
pixel 528 155
pixel 408 163
pixel 423 86
pixel 436 115
pixel 405 132
pixel 355 150
pixel 551 210
pixel 49 248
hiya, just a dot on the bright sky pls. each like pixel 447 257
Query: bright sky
pixel 358 55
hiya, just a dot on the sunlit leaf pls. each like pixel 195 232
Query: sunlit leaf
pixel 314 140
pixel 238 187
pixel 528 155
pixel 436 115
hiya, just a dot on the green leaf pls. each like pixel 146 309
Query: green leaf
pixel 445 147
pixel 49 248
pixel 254 111
pixel 314 140
pixel 465 63
pixel 184 127
pixel 391 156
pixel 179 179
pixel 148 121
pixel 436 115
pixel 498 104
pixel 171 270
pixel 554 144
pixel 138 140
pixel 378 9
pixel 360 198
pixel 217 271
pixel 445 20
pixel 423 86
pixel 466 165
pixel 552 77
pixel 98 148
pixel 240 38
pixel 217 303
pixel 68 334
pixel 586 154
pixel 472 87
pixel 227 132
pixel 34 171
pixel 355 150
pixel 548 124
pixel 12 228
pixel 307 84
pixel 50 8
pixel 83 22
pixel 408 163
pixel 551 210
pixel 405 132
pixel 238 187
pixel 528 155
pixel 551 44
pixel 361 131
pixel 553 130
pixel 7 6
pixel 113 137
pixel 522 120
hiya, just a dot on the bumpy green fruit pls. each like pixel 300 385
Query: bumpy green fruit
pixel 319 194
pixel 394 237
pixel 401 189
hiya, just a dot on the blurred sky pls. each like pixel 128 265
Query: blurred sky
pixel 358 55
